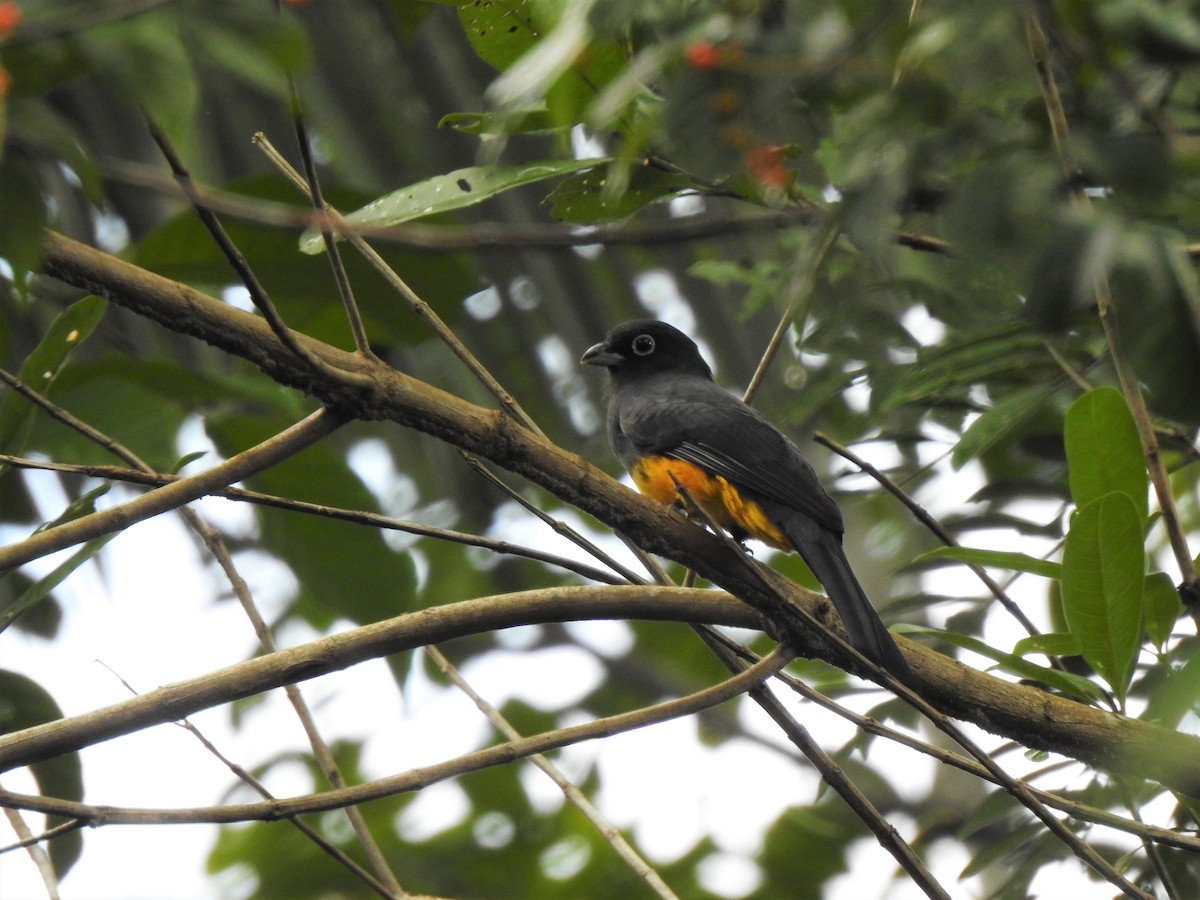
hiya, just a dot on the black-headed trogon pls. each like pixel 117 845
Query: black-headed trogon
pixel 670 424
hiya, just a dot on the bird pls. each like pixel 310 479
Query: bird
pixel 672 427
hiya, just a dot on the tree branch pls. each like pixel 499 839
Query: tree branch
pixel 271 451
pixel 1025 714
pixel 330 654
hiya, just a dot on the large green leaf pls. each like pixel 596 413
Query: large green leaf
pixel 1104 453
pixel 1161 608
pixel 999 421
pixel 1102 585
pixel 586 198
pixel 454 190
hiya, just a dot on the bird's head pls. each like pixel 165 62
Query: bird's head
pixel 645 347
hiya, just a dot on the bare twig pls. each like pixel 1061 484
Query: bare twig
pixel 923 516
pixel 258 293
pixel 356 516
pixel 332 251
pixel 574 795
pixel 41 860
pixel 835 776
pixel 507 402
pixel 798 297
pixel 416 779
pixel 271 451
pixel 557 525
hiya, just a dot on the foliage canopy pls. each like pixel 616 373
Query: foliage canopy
pixel 975 228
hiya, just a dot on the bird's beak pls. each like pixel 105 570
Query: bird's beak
pixel 601 355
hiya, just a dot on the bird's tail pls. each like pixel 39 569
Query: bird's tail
pixel 868 635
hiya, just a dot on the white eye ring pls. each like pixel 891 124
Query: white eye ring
pixel 643 345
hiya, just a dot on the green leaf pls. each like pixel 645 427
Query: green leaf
pixel 996 559
pixel 1102 585
pixel 454 190
pixel 1175 697
pixel 587 198
pixel 68 330
pixel 1104 453
pixel 1072 685
pixel 998 421
pixel 1051 644
pixel 23 704
pixel 499 31
pixel 949 368
pixel 147 60
pixel 25 213
pixel 1161 608
pixel 42 588
pixel 252 44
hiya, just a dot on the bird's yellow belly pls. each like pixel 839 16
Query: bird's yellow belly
pixel 660 478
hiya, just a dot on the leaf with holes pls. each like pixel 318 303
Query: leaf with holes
pixel 454 190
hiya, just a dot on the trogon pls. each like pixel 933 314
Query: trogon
pixel 670 425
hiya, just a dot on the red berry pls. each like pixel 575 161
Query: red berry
pixel 702 55
pixel 764 164
pixel 10 18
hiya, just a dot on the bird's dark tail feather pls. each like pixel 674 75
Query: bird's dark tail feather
pixel 868 635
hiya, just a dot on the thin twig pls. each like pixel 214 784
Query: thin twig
pixel 48 835
pixel 835 776
pixel 507 402
pixel 799 293
pixel 560 527
pixel 574 795
pixel 505 235
pixel 355 516
pixel 923 516
pixel 332 251
pixel 1107 312
pixel 36 853
pixel 273 450
pixel 258 294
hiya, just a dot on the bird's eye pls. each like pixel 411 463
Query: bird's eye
pixel 643 345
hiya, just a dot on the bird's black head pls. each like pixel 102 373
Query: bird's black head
pixel 646 346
